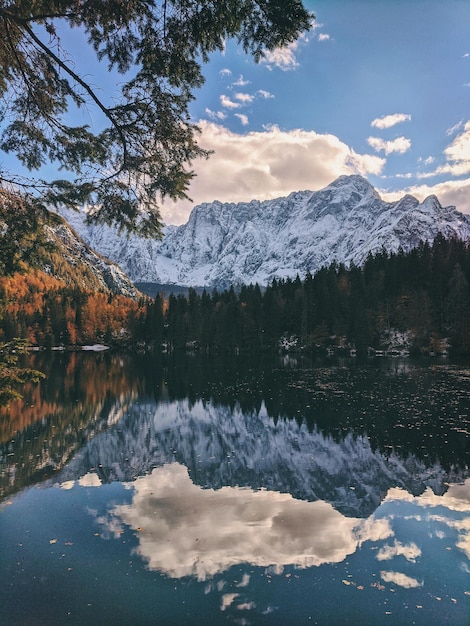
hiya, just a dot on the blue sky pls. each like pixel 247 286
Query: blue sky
pixel 378 87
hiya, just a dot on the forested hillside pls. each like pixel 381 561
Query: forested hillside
pixel 47 312
pixel 54 289
pixel 419 301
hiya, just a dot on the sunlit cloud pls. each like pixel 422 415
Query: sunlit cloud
pixel 450 193
pixel 245 98
pixel 241 82
pixel 245 581
pixel 179 534
pixel 455 128
pixel 323 37
pixel 216 115
pixel 90 480
pixel 229 104
pixel 427 161
pixel 227 600
pixel 243 119
pixel 458 153
pixel 402 580
pixel 457 156
pixel 399 145
pixel 284 58
pixel 262 93
pixel 68 484
pixel 225 72
pixel 387 121
pixel 267 164
pixel 456 499
pixel 462 526
pixel 410 551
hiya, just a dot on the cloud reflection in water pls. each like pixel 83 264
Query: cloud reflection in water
pixel 185 530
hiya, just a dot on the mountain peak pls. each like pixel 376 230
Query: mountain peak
pixel 347 190
pixel 350 179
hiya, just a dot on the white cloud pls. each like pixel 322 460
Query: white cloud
pixel 323 37
pixel 427 161
pixel 245 98
pixel 455 128
pixel 387 121
pixel 466 55
pixel 402 580
pixel 450 193
pixel 90 480
pixel 216 115
pixel 410 551
pixel 225 72
pixel 227 600
pixel 457 155
pixel 68 484
pixel 243 119
pixel 229 104
pixel 266 164
pixel 457 498
pixel 241 82
pixel 399 145
pixel 262 93
pixel 284 58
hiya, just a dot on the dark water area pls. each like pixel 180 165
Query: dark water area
pixel 194 490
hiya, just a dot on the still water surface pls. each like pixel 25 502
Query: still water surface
pixel 205 491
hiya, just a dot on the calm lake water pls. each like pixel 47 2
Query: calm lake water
pixel 208 491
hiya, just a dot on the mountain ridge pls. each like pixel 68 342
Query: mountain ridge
pixel 233 243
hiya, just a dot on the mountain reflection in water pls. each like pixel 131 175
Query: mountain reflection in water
pixel 343 434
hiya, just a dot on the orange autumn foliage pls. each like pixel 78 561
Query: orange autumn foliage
pixel 46 311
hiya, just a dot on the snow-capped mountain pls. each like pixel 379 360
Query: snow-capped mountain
pixel 248 242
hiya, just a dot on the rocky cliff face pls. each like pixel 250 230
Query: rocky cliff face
pixel 224 244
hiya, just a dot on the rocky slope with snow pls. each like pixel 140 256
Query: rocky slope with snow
pixel 247 242
pixel 73 261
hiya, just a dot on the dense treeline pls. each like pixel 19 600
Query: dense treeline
pixel 419 300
